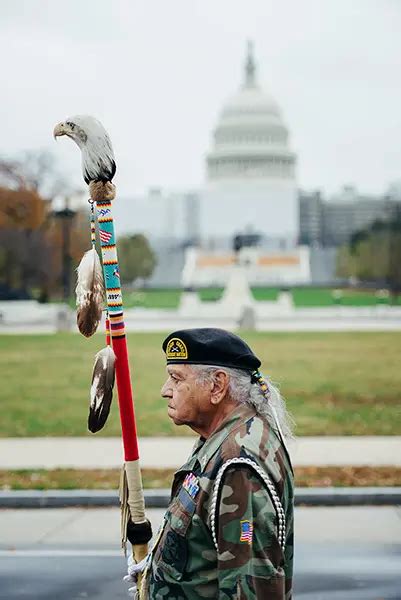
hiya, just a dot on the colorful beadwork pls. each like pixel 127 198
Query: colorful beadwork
pixel 109 257
pixel 261 381
pixel 117 327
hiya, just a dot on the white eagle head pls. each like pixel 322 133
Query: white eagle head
pixel 97 152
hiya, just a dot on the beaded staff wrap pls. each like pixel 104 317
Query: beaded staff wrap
pixel 278 507
pixel 109 256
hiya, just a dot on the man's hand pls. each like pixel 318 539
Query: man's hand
pixel 134 569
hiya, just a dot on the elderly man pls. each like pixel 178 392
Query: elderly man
pixel 228 531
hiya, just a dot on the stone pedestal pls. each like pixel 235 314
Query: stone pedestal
pixel 284 301
pixel 190 303
pixel 237 295
pixel 64 318
pixel 247 319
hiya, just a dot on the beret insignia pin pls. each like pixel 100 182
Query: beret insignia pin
pixel 176 349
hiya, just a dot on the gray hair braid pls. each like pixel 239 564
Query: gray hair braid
pixel 264 397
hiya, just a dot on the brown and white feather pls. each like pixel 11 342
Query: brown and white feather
pixel 101 393
pixel 90 293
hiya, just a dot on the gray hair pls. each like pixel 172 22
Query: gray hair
pixel 243 390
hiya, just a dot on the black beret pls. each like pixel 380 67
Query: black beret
pixel 209 346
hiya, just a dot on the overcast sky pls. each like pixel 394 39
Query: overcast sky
pixel 157 72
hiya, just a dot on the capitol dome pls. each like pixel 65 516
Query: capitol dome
pixel 250 140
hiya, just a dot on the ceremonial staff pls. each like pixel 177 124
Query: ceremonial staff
pixel 98 168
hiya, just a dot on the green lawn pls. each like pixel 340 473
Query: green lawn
pixel 303 297
pixel 210 294
pixel 334 383
pixel 312 297
pixel 326 297
pixel 265 294
pixel 154 298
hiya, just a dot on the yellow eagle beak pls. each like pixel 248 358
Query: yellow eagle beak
pixel 59 130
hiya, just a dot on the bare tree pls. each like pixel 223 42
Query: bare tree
pixel 35 170
pixel 30 236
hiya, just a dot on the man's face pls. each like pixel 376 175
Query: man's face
pixel 188 401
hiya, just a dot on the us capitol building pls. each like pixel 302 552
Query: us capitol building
pixel 245 212
pixel 250 181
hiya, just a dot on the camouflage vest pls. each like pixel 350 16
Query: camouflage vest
pixel 222 541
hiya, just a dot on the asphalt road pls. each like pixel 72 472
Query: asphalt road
pixel 323 573
pixel 71 554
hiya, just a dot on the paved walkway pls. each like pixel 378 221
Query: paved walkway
pixel 171 452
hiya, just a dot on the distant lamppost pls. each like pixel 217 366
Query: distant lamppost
pixel 66 215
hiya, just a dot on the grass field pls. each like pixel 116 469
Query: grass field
pixel 326 297
pixel 107 479
pixel 265 294
pixel 334 383
pixel 155 298
pixel 302 297
pixel 210 294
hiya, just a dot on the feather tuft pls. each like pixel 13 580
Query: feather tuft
pixel 101 393
pixel 90 293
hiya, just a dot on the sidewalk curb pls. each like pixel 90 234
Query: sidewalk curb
pixel 159 498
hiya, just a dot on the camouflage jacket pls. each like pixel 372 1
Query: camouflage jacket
pixel 228 531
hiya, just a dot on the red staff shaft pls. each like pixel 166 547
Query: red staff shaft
pixel 125 399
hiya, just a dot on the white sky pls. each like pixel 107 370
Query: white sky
pixel 156 73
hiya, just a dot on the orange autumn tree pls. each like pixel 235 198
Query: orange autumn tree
pixel 31 238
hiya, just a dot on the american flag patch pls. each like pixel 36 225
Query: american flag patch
pixel 105 236
pixel 191 484
pixel 246 532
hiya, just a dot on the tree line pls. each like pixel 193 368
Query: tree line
pixel 373 255
pixel 39 247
